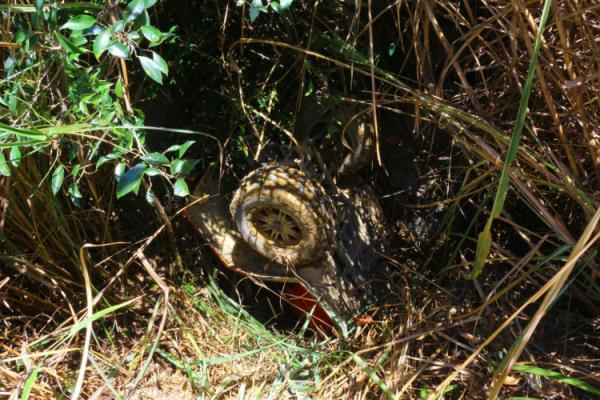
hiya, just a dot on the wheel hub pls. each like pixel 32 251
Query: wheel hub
pixel 276 225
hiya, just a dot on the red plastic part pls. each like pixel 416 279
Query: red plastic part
pixel 303 303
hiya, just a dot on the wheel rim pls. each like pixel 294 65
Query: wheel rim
pixel 277 226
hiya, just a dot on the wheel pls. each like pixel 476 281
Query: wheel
pixel 284 215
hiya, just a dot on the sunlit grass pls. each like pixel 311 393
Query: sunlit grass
pixel 519 127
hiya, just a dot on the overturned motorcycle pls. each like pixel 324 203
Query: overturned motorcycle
pixel 282 225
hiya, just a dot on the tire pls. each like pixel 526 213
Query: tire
pixel 284 215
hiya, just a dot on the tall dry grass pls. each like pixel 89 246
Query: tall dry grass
pixel 454 73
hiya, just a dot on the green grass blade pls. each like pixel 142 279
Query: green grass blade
pixel 22 132
pixel 12 145
pixel 484 239
pixel 100 314
pixel 29 383
pixel 557 376
pixel 106 380
pixel 374 377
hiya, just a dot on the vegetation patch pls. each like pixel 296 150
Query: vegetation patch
pixel 482 151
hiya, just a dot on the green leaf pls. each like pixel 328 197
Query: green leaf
pixel 79 41
pixel 104 159
pixel 9 66
pixel 281 6
pixel 67 44
pixel 134 36
pixel 253 13
pixel 79 22
pixel 285 4
pixel 76 169
pixel 151 33
pixel 39 7
pixel 150 197
pixel 12 104
pixel 180 188
pixel 131 180
pixel 151 69
pixel 36 22
pixel 256 7
pixel 391 49
pixel 29 383
pixel 134 10
pixel 4 168
pixel 101 43
pixel 119 171
pixel 15 156
pixel 171 148
pixel 118 27
pixel 74 192
pixel 119 90
pixel 152 171
pixel 184 147
pixel 118 49
pixel 162 64
pixel 558 377
pixel 58 176
pixel 182 167
pixel 155 159
pixel 309 88
pixel 20 36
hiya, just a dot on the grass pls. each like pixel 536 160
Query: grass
pixel 484 239
pixel 105 297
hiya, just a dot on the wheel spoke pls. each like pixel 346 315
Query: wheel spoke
pixel 294 233
pixel 276 225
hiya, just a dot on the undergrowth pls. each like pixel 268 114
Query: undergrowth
pixel 487 159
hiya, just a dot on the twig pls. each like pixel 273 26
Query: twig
pixel 123 68
pixel 289 134
pixel 4 205
pixel 168 227
pixel 88 328
pixel 373 86
pixel 163 321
